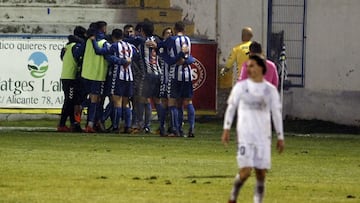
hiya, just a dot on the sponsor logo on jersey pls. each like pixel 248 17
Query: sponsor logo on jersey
pixel 198 74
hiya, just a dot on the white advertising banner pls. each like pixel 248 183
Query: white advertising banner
pixel 30 72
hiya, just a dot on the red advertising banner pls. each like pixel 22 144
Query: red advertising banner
pixel 204 72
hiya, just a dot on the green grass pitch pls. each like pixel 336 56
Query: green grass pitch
pixel 60 167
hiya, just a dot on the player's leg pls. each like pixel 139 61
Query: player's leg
pixel 72 100
pixel 77 106
pixel 262 162
pixel 240 179
pixel 140 111
pixel 158 106
pixel 65 108
pixel 173 96
pixel 191 116
pixel 100 124
pixel 137 92
pixel 147 115
pixel 165 103
pixel 245 160
pixel 179 106
pixel 82 98
pixel 132 103
pixel 108 112
pixel 117 101
pixel 128 92
pixel 92 113
pixel 143 108
pixel 150 91
pixel 127 114
pixel 259 189
pixel 160 114
pixel 187 94
pixel 95 89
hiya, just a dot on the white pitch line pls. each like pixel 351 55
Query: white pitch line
pixel 5 128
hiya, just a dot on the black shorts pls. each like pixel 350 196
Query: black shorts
pixel 122 88
pixel 71 90
pixel 151 86
pixel 94 87
pixel 180 89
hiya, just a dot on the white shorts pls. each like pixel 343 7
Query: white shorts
pixel 254 156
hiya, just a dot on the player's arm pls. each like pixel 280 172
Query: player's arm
pixel 62 53
pixel 231 59
pixel 189 60
pixel 112 59
pixel 243 73
pixel 275 78
pixel 79 51
pixel 135 51
pixel 103 50
pixel 136 41
pixel 177 59
pixel 277 119
pixel 233 102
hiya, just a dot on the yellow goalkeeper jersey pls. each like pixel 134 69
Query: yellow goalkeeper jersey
pixel 239 54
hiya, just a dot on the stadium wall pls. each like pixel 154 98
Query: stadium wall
pixel 332 84
pixel 229 17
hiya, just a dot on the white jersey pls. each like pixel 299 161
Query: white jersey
pixel 255 103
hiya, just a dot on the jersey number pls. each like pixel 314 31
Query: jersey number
pixel 242 150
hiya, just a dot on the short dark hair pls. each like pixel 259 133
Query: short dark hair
pixel 101 24
pixel 93 25
pixel 260 60
pixel 180 26
pixel 127 26
pixel 255 48
pixel 117 33
pixel 80 31
pixel 138 27
pixel 91 32
pixel 148 28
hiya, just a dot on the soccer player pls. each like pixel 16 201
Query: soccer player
pixel 129 31
pixel 254 100
pixel 94 71
pixel 271 74
pixel 69 80
pixel 151 82
pixel 150 63
pixel 138 74
pixel 167 32
pixel 239 53
pixel 180 89
pixel 121 78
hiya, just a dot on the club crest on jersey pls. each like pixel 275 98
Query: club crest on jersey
pixel 198 74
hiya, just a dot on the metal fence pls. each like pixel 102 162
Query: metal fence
pixel 286 26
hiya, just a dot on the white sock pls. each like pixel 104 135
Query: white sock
pixel 236 188
pixel 91 124
pixel 259 191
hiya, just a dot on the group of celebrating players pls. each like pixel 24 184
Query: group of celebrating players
pixel 133 68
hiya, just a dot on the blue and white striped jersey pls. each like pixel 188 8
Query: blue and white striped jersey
pixel 123 50
pixel 175 46
pixel 149 57
pixel 120 51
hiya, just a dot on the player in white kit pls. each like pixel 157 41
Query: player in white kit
pixel 255 100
